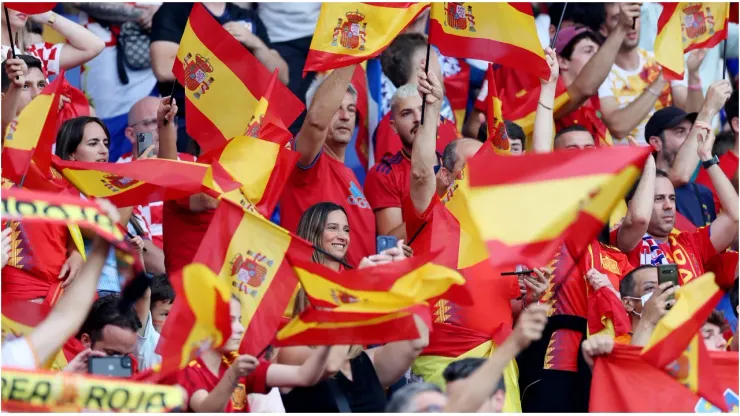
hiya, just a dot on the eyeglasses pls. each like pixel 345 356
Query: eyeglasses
pixel 149 123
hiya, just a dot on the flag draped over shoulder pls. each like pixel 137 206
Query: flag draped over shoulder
pixel 248 252
pixel 503 33
pixel 524 207
pixel 498 138
pixel 223 82
pixel 683 27
pixel 623 382
pixel 35 128
pixel 199 318
pixel 141 181
pixel 349 33
pixel 676 345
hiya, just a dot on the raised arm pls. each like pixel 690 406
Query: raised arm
pixel 690 99
pixel 167 131
pixel 687 158
pixel 597 68
pixel 326 101
pixel 543 122
pixel 639 211
pixel 423 156
pixel 82 44
pixel 391 361
pixel 723 229
pixel 304 375
pixel 621 121
pixel 482 383
pixel 655 308
pixel 70 312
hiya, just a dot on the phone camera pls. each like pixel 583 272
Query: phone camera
pixel 126 362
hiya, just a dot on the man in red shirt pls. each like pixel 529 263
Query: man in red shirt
pixel 387 183
pixel 645 234
pixel 321 175
pixel 728 162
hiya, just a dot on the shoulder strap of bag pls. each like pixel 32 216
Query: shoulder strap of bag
pixel 339 397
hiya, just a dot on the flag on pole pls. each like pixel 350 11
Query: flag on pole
pixel 503 33
pixel 349 33
pixel 248 252
pixel 34 128
pixel 683 27
pixel 562 195
pixel 223 82
pixel 498 138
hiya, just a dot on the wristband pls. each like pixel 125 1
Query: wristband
pixel 711 162
pixel 695 87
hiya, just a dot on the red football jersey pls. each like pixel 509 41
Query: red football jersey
pixel 185 230
pixel 689 250
pixel 728 162
pixel 196 376
pixel 388 142
pixel 328 180
pixel 388 181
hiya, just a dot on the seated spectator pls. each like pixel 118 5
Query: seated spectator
pixel 461 370
pixel 653 299
pixel 417 398
pixel 325 225
pixel 66 316
pixel 82 45
pixel 168 26
pixel 711 332
pixel 109 330
pixel 219 381
pixel 112 82
pixel 321 175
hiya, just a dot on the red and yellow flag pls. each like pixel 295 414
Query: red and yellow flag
pixel 362 141
pixel 34 128
pixel 683 27
pixel 141 181
pixel 503 33
pixel 561 195
pixel 620 379
pixel 248 253
pixel 199 319
pixel 498 138
pixel 349 33
pixel 676 345
pixel 223 82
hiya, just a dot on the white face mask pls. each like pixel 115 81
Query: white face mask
pixel 643 299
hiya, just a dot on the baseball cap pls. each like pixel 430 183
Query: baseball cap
pixel 666 118
pixel 566 35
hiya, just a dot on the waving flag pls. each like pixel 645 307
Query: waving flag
pixel 141 181
pixel 223 82
pixel 620 379
pixel 683 27
pixel 35 128
pixel 561 194
pixel 248 252
pixel 503 33
pixel 30 8
pixel 349 33
pixel 362 141
pixel 498 138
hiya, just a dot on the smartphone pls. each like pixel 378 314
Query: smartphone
pixel 384 242
pixel 117 366
pixel 668 273
pixel 143 141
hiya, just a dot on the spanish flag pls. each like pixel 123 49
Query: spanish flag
pixel 35 128
pixel 683 27
pixel 503 33
pixel 362 141
pixel 248 252
pixel 349 33
pixel 199 319
pixel 498 138
pixel 556 196
pixel 331 327
pixel 676 345
pixel 457 88
pixel 621 379
pixel 139 182
pixel 223 82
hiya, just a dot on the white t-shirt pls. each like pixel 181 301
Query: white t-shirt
pixel 627 85
pixel 18 353
pixel 266 403
pixel 100 81
pixel 146 345
pixel 289 21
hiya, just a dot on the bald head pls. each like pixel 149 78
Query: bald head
pixel 142 118
pixel 455 156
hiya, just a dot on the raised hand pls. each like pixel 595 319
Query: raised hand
pixel 429 85
pixel 530 325
pixel 552 62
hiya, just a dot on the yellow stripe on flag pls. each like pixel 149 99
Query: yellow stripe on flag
pixel 472 249
pixel 24 133
pixel 297 326
pixel 255 174
pixel 360 29
pixel 228 101
pixel 668 46
pixel 92 182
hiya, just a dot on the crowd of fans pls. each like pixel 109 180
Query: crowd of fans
pixel 605 89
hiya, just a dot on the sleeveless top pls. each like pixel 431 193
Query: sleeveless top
pixel 364 393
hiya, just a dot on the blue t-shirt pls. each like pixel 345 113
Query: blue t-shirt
pixel 696 203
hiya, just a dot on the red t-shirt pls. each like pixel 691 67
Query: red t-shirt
pixel 196 376
pixel 38 252
pixel 388 142
pixel 723 265
pixel 184 230
pixel 328 180
pixel 728 162
pixel 388 181
pixel 689 250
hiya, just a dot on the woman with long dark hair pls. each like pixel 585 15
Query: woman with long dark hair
pixel 360 376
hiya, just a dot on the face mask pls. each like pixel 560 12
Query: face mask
pixel 643 299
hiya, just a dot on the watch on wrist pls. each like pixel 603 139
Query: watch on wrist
pixel 711 162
